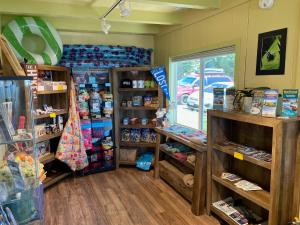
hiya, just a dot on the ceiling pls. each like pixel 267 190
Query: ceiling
pixel 83 15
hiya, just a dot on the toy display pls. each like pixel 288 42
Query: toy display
pixel 138 135
pixel 38 26
pixel 95 107
pixel 137 101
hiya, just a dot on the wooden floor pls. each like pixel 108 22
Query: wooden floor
pixel 122 197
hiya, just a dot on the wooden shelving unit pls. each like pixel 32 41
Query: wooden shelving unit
pixel 58 99
pixel 120 94
pixel 172 170
pixel 275 136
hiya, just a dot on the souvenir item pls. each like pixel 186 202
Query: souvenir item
pixel 290 103
pixel 270 103
pixel 135 84
pixel 257 102
pixel 125 135
pixel 229 99
pixel 126 121
pixel 147 101
pixel 144 121
pixel 141 84
pixel 218 98
pixel 137 101
pixel 126 83
pixel 135 135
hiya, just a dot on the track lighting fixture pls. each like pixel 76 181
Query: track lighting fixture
pixel 105 25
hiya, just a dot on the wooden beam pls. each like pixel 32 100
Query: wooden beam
pixel 93 25
pixel 49 9
pixel 191 4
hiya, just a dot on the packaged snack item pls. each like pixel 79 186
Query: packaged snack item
pixel 135 135
pixel 125 135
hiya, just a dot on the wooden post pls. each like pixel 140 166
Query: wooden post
pixel 156 159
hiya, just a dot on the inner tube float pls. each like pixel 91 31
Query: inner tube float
pixel 15 31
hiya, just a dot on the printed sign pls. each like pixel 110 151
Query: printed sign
pixel 159 74
pixel 32 71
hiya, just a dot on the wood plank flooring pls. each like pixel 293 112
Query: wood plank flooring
pixel 122 197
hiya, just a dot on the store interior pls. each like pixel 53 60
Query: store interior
pixel 149 112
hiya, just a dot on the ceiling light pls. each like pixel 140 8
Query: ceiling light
pixel 105 25
pixel 125 8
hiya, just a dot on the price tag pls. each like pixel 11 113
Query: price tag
pixel 60 87
pixel 52 115
pixel 238 155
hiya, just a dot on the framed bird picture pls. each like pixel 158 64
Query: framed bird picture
pixel 271 52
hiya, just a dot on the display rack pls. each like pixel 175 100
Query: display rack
pixel 121 111
pixel 274 174
pixel 58 99
pixel 98 127
pixel 172 170
pixel 21 173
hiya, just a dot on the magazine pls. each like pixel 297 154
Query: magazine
pixel 290 103
pixel 257 102
pixel 218 98
pixel 270 103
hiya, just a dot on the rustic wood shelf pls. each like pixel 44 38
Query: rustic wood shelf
pixel 186 163
pixel 230 151
pixel 48 157
pixel 277 137
pixel 121 112
pixel 261 198
pixel 52 68
pixel 222 215
pixel 47 115
pixel 197 147
pixel 137 126
pixel 139 108
pixel 137 144
pixel 137 89
pixel 52 92
pixel 48 137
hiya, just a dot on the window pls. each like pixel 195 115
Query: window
pixel 192 81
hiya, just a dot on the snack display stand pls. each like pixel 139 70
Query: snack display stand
pixel 21 191
pixel 137 98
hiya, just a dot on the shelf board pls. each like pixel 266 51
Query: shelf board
pixel 137 144
pixel 55 178
pixel 127 163
pixel 48 137
pixel 260 198
pixel 129 69
pixel 52 68
pixel 138 108
pixel 47 115
pixel 137 89
pixel 186 163
pixel 230 151
pixel 51 92
pixel 138 126
pixel 48 157
pixel 197 147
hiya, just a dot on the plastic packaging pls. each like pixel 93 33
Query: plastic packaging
pixel 144 161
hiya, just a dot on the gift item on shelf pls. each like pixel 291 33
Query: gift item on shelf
pixel 126 83
pixel 95 103
pixel 137 101
pixel 125 135
pixel 86 130
pixel 44 85
pixel 144 162
pixel 126 121
pixel 269 108
pixel 43 148
pixel 134 121
pixel 290 103
pixel 230 176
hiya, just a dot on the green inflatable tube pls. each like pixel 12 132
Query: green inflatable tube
pixel 15 30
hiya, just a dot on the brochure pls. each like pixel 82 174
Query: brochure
pixel 229 99
pixel 257 102
pixel 270 103
pixel 290 103
pixel 218 98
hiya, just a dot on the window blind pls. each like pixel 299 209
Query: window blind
pixel 204 54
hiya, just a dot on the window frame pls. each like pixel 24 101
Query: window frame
pixel 201 55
